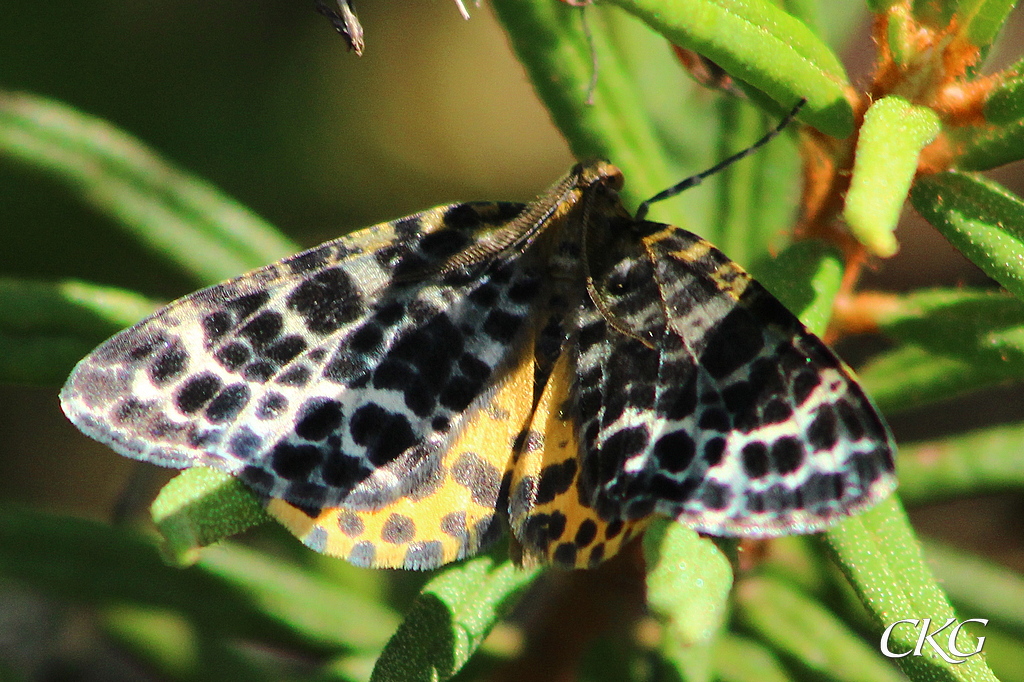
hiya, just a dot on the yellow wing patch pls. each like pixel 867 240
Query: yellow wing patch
pixel 548 514
pixel 444 519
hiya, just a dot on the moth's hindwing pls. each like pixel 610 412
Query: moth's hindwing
pixel 551 519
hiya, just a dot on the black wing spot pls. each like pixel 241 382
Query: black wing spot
pixel 350 524
pixel 318 418
pixel 244 444
pixel 619 447
pixel 295 462
pixel 502 326
pixel 327 301
pixel 776 412
pixel 822 433
pixel 787 455
pixel 755 459
pixel 271 406
pixel 263 328
pixel 482 479
pixel 675 451
pixel 228 403
pixel 310 260
pixel 259 371
pixel 169 365
pixel 297 376
pixel 852 419
pixel 132 410
pixel 591 334
pixel 341 470
pixel 244 306
pixel 398 529
pixel 734 342
pixel 713 451
pixel 385 435
pixel 586 533
pixel 715 496
pixel 460 217
pixel 804 383
pixel 366 339
pixel 454 525
pixel 715 419
pixel 232 356
pixel 285 350
pixel 444 244
pixel 565 554
pixel 555 480
pixel 196 392
pixel 216 325
pixel 613 529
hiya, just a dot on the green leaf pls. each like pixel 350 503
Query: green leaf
pixel 937 15
pixel 756 197
pixel 739 659
pixel 800 627
pixel 879 6
pixel 231 591
pixel 202 506
pixel 450 619
pixel 323 611
pixel 890 141
pixel 760 44
pixel 177 215
pixel 550 42
pixel 1005 103
pixel 991 146
pixel 838 22
pixel 170 649
pixel 899 34
pixel 45 328
pixel 881 557
pixel 1004 653
pixel 641 95
pixel 809 13
pixel 161 637
pixel 979 587
pixel 910 376
pixel 979 21
pixel 688 582
pixel 806 278
pixel 981 219
pixel 962 465
pixel 952 341
pixel 800 561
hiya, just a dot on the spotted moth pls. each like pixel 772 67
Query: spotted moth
pixel 397 396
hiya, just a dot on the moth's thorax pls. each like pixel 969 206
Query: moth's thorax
pixel 587 183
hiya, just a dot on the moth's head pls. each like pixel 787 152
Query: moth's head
pixel 598 172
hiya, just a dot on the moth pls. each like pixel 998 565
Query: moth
pixel 400 395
